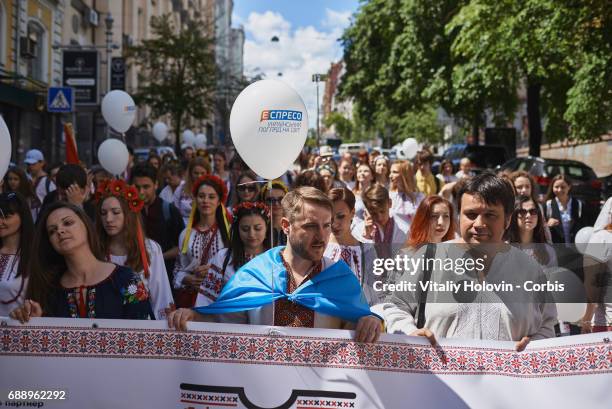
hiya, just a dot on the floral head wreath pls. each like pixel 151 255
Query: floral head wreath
pixel 118 188
pixel 260 207
pixel 217 181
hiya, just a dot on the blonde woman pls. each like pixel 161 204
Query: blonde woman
pixel 402 191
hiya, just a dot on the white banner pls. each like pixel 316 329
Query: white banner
pixel 140 364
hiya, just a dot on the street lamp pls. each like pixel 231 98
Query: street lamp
pixel 109 50
pixel 316 78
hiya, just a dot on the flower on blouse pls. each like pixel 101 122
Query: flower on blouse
pixel 135 292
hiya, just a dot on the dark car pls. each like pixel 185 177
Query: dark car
pixel 482 156
pixel 585 185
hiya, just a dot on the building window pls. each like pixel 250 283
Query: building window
pixel 3 27
pixel 37 59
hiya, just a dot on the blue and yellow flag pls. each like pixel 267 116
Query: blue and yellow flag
pixel 335 291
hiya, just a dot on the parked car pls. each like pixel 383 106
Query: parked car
pixel 482 156
pixel 352 148
pixel 585 184
pixel 142 154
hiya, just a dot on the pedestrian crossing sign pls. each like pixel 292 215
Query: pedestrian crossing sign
pixel 60 99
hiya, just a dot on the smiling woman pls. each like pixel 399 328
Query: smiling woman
pixel 69 278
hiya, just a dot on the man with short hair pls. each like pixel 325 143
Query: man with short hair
pixel 316 291
pixel 465 168
pixel 73 186
pixel 35 162
pixel 380 226
pixel 426 182
pixel 486 204
pixel 162 220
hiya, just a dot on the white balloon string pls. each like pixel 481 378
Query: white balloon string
pixel 272 246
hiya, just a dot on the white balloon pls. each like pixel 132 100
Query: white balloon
pixel 188 137
pixel 410 147
pixel 269 125
pixel 582 238
pixel 119 110
pixel 5 148
pixel 200 141
pixel 160 131
pixel 113 156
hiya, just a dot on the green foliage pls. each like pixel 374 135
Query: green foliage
pixel 474 57
pixel 342 125
pixel 177 72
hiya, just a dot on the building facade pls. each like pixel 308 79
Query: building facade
pixel 42 40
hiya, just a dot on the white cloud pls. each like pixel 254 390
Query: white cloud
pixel 337 19
pixel 298 54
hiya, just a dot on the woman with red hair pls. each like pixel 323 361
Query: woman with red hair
pixel 434 222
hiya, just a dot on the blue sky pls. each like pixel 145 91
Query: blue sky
pixel 297 12
pixel 308 31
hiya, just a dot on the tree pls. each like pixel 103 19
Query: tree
pixel 559 50
pixel 177 72
pixel 342 125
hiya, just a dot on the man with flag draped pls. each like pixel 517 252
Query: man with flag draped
pixel 294 285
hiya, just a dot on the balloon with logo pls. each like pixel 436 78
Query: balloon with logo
pixel 5 148
pixel 410 148
pixel 160 131
pixel 113 156
pixel 200 141
pixel 118 110
pixel 189 137
pixel 269 125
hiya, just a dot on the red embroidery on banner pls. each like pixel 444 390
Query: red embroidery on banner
pixel 580 359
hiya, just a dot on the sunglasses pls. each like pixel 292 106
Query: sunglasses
pixel 524 212
pixel 246 188
pixel 274 200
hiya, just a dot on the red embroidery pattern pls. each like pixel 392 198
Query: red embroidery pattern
pixel 120 343
pixel 290 314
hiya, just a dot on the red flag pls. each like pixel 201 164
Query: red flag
pixel 72 155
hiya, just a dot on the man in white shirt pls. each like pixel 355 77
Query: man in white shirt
pixel 485 206
pixel 35 161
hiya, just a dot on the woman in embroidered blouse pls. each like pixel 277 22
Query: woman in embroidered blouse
pixel 527 231
pixel 183 196
pixel 68 277
pixel 16 232
pixel 524 185
pixel 564 212
pixel 250 237
pixel 342 244
pixel 117 224
pixel 16 180
pixel 207 232
pixel 402 190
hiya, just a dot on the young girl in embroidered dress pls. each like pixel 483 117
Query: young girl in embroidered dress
pixel 68 277
pixel 16 232
pixel 118 224
pixel 250 237
pixel 207 232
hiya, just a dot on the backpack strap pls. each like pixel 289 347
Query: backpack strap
pixel 422 297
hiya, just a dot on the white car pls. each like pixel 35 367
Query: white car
pixel 352 148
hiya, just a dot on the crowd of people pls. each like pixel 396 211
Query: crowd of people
pixel 202 238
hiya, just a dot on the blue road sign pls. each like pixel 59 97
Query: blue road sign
pixel 60 99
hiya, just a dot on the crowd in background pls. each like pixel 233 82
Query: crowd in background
pixel 171 232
